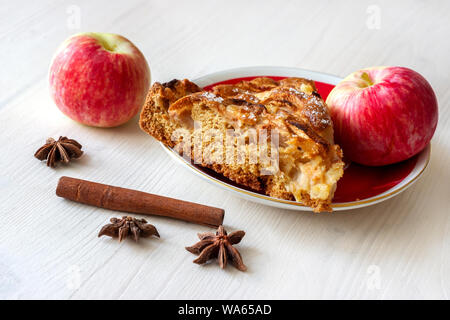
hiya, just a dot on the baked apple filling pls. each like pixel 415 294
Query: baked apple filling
pixel 290 114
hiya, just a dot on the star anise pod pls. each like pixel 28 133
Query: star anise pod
pixel 62 150
pixel 121 228
pixel 219 245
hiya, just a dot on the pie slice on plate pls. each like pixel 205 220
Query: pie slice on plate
pixel 275 137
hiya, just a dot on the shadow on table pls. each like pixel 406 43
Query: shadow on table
pixel 413 213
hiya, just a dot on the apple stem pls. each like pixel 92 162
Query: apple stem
pixel 365 76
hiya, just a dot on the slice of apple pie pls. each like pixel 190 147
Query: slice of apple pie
pixel 275 137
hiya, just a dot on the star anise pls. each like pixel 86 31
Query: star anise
pixel 219 245
pixel 121 228
pixel 62 150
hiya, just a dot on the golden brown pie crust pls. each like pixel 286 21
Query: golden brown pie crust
pixel 310 163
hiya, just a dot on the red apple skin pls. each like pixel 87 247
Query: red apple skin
pixel 99 79
pixel 383 115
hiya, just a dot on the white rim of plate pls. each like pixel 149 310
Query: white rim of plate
pixel 419 168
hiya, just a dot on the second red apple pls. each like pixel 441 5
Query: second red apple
pixel 383 115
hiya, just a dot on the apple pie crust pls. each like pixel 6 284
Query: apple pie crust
pixel 289 114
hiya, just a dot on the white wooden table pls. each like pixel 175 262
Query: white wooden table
pixel 49 247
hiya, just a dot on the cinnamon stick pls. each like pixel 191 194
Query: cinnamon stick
pixel 121 199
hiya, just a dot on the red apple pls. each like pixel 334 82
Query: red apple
pixel 99 79
pixel 383 115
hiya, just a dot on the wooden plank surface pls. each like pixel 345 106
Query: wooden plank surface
pixel 48 246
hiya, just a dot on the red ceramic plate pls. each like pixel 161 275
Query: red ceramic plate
pixel 360 186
